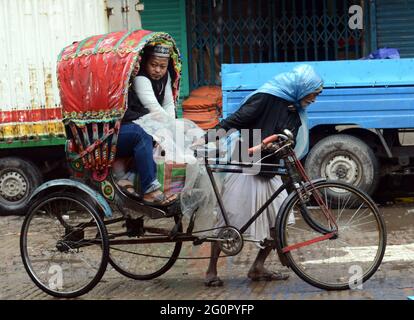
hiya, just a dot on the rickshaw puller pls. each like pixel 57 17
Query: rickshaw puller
pixel 280 103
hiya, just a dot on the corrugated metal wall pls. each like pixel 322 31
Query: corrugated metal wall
pixel 395 25
pixel 123 14
pixel 169 16
pixel 32 33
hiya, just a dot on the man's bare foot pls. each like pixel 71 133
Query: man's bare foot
pixel 266 275
pixel 212 280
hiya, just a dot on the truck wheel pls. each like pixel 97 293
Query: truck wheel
pixel 345 158
pixel 18 179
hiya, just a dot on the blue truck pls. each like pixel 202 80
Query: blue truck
pixel 362 125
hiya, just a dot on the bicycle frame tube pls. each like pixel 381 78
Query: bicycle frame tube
pixel 220 200
pixel 217 193
pixel 294 172
pixel 263 207
pixel 295 175
pixel 301 171
pixel 284 186
pixel 309 242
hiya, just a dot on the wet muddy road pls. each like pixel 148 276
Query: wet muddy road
pixel 394 280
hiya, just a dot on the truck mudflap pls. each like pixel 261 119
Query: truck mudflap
pixel 70 185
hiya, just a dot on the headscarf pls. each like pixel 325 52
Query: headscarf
pixel 294 86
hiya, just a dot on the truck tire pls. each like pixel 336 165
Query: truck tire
pixel 345 158
pixel 18 179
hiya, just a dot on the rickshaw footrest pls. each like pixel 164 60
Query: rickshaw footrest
pixel 175 230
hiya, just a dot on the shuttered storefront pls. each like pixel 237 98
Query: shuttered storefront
pixel 395 25
pixel 255 31
pixel 169 16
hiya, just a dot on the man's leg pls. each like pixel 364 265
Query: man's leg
pixel 144 161
pixel 133 140
pixel 258 272
pixel 257 267
pixel 212 280
pixel 125 147
pixel 125 144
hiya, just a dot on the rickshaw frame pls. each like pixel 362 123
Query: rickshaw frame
pixel 93 119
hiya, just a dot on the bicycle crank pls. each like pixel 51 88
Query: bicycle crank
pixel 230 241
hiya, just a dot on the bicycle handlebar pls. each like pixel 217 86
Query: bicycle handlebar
pixel 270 139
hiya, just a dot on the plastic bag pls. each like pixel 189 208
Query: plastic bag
pixel 175 138
pixel 171 176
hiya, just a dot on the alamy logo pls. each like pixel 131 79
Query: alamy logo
pixel 56 278
pixel 356 21
pixel 355 281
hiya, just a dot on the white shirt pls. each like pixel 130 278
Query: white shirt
pixel 145 93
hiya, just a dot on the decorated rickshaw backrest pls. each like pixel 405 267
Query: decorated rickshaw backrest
pixel 94 76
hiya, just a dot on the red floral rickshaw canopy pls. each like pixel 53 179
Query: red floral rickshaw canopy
pixel 94 74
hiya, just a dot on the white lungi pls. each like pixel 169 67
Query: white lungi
pixel 243 195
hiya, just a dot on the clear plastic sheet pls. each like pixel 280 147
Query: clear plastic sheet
pixel 176 137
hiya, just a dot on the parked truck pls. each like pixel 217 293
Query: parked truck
pixel 32 136
pixel 361 126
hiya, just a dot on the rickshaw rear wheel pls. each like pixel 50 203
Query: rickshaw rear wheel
pixel 64 244
pixel 147 260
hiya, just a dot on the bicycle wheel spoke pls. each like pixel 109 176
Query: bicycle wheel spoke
pixel 340 214
pixel 360 219
pixel 351 252
pixel 362 224
pixel 146 260
pixel 300 229
pixel 354 214
pixel 63 260
pixel 360 238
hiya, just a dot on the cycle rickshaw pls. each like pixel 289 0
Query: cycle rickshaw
pixel 69 236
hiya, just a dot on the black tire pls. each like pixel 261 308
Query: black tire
pixel 140 261
pixel 345 158
pixel 64 210
pixel 329 264
pixel 18 179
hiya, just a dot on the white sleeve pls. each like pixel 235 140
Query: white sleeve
pixel 143 89
pixel 168 103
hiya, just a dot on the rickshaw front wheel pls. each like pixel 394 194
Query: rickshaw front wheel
pixel 64 244
pixel 345 255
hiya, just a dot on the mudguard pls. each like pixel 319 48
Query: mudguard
pixel 71 185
